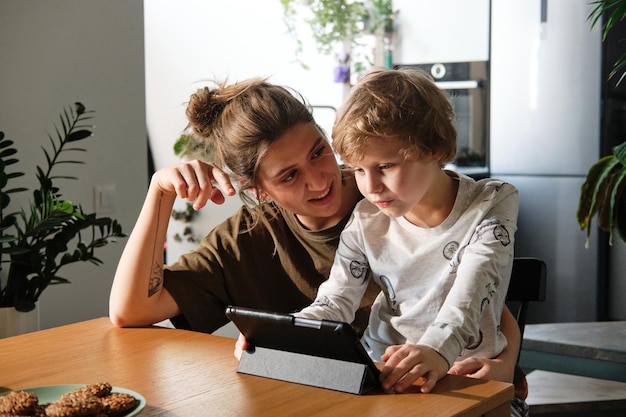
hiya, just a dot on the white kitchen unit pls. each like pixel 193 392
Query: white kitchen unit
pixel 545 83
pixel 441 31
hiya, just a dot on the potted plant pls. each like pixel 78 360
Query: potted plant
pixel 603 194
pixel 338 22
pixel 36 242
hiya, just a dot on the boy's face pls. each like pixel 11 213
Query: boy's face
pixel 300 173
pixel 394 184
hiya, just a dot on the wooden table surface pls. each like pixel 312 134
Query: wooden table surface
pixel 184 373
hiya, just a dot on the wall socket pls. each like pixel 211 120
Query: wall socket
pixel 105 199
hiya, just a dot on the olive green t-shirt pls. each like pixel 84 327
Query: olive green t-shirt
pixel 276 265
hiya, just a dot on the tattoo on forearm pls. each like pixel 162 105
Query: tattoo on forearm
pixel 156 274
pixel 156 279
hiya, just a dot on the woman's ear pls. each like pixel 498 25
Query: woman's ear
pixel 261 195
pixel 258 193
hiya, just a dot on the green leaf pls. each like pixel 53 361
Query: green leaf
pixel 620 153
pixel 16 190
pixel 587 206
pixel 12 161
pixel 78 135
pixel 7 238
pixel 614 213
pixel 7 152
pixel 80 108
pixel 604 202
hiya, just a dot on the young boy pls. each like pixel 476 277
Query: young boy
pixel 438 243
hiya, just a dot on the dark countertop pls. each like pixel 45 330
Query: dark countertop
pixel 592 340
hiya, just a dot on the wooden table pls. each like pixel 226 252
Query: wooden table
pixel 592 349
pixel 183 373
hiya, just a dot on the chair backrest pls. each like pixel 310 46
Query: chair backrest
pixel 528 283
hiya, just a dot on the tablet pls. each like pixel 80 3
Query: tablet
pixel 320 338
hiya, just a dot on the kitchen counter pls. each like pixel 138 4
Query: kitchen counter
pixel 594 349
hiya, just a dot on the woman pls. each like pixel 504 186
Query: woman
pixel 278 248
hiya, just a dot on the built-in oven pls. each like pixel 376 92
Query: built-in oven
pixel 467 85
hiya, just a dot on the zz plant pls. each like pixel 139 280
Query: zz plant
pixel 36 242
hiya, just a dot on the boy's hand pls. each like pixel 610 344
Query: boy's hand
pixel 405 364
pixel 483 368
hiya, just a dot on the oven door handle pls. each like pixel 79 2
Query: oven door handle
pixel 460 85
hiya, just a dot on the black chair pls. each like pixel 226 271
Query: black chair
pixel 528 283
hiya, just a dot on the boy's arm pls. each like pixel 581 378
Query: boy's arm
pixel 404 364
pixel 500 368
pixel 339 297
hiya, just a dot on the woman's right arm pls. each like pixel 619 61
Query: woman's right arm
pixel 138 297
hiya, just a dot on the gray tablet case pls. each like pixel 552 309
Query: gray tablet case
pixel 321 353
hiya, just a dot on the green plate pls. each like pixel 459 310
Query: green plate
pixel 51 393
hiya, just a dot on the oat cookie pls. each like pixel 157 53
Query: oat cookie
pixel 118 403
pixel 99 390
pixel 75 405
pixel 40 410
pixel 19 403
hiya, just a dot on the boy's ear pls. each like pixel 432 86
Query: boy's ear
pixel 435 156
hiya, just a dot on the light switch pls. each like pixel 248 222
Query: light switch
pixel 105 199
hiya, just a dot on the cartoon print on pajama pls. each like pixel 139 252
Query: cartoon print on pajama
pixel 357 269
pixel 390 293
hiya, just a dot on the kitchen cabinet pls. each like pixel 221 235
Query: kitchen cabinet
pixel 441 31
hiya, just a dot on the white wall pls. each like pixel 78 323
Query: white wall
pixel 191 41
pixel 53 53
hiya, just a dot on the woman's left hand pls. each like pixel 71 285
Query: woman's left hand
pixel 240 345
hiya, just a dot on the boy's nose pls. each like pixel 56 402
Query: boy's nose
pixel 372 184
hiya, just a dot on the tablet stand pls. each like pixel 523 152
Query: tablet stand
pixel 354 378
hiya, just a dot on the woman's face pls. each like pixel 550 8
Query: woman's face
pixel 300 173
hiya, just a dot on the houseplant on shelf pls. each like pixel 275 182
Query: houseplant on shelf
pixel 603 193
pixel 339 24
pixel 36 242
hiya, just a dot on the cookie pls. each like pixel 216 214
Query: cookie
pixel 19 403
pixel 99 390
pixel 118 403
pixel 40 411
pixel 77 404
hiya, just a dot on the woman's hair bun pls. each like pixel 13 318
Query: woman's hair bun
pixel 204 110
